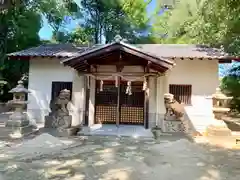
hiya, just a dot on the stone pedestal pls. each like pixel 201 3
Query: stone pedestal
pixel 72 131
pixel 48 123
pixel 63 121
pixel 219 127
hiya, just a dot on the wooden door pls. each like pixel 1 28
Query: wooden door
pixel 106 103
pixel 132 106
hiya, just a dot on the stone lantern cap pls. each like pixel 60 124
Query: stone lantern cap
pixel 19 88
pixel 219 95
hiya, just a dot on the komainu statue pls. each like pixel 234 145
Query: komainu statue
pixel 59 116
pixel 62 117
pixel 173 108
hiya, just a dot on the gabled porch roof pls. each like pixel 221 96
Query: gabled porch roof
pixel 119 54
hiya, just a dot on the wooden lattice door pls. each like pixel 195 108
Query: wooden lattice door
pixel 106 103
pixel 132 106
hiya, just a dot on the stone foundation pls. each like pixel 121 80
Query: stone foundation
pixel 173 126
pixel 17 128
pixel 17 132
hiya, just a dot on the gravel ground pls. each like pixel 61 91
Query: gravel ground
pixel 111 158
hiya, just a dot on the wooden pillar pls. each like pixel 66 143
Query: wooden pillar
pixel 91 111
pixel 118 101
pixel 87 95
pixel 146 106
pixel 119 68
pixel 146 99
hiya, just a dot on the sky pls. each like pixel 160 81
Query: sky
pixel 46 31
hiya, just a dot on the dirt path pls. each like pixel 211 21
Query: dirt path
pixel 109 158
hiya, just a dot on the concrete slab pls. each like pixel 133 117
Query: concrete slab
pixel 113 130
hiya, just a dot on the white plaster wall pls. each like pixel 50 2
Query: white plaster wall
pixel 78 99
pixel 201 74
pixel 41 74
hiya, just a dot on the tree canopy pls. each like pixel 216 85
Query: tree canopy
pixel 103 20
pixel 20 25
pixel 210 22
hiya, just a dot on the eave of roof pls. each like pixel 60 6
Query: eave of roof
pixel 81 62
pixel 123 45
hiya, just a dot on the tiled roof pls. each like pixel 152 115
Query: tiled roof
pixel 52 50
pixel 160 50
pixel 183 51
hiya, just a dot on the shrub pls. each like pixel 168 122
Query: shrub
pixel 230 85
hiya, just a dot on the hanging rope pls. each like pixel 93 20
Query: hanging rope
pixel 129 88
pixel 144 84
pixel 101 85
pixel 116 76
pixel 88 82
pixel 116 81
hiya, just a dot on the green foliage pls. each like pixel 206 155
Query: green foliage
pixel 210 22
pixel 55 11
pixel 16 34
pixel 81 35
pixel 20 25
pixel 230 85
pixel 106 19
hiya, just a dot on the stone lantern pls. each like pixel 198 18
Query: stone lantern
pixel 220 104
pixel 18 122
pixel 220 108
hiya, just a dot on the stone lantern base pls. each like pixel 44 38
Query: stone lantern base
pixel 18 126
pixel 218 128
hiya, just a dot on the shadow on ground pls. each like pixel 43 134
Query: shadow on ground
pixel 111 158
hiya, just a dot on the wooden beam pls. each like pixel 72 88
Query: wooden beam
pixel 100 52
pixel 224 61
pixel 147 57
pixel 119 67
pixel 119 64
pixel 123 74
